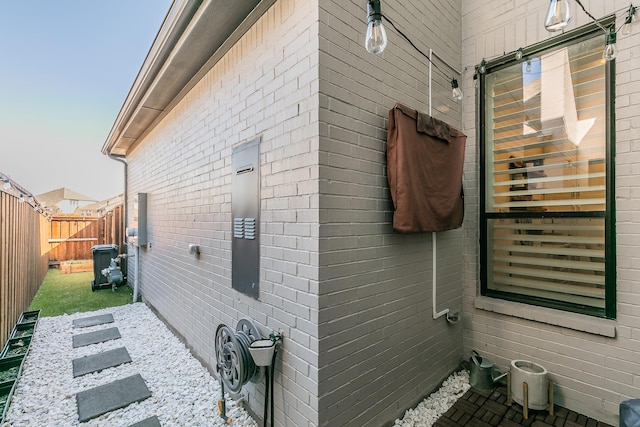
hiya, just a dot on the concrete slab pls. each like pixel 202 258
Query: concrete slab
pixel 149 422
pixel 95 337
pixel 98 362
pixel 106 398
pixel 93 320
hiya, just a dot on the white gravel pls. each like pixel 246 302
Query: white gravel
pixel 183 391
pixel 439 402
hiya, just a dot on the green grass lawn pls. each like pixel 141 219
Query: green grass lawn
pixel 71 293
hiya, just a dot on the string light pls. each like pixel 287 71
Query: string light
pixel 610 50
pixel 376 37
pixel 627 28
pixel 456 92
pixel 483 67
pixel 519 54
pixel 558 15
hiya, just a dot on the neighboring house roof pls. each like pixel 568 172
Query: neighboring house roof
pixel 193 38
pixel 53 198
pixel 100 207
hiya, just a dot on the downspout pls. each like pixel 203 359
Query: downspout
pixel 123 159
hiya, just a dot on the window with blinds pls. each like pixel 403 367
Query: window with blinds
pixel 545 157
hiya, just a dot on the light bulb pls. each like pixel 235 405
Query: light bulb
pixel 376 37
pixel 6 185
pixel 483 67
pixel 610 49
pixel 528 67
pixel 21 199
pixel 558 15
pixel 627 29
pixel 456 92
pixel 519 54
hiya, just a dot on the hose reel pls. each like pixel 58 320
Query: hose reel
pixel 235 364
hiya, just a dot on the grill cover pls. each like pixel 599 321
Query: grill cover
pixel 425 158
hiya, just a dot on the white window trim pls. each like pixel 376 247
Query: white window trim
pixel 565 319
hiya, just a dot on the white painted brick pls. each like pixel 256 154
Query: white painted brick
pixel 608 361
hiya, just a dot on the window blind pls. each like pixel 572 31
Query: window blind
pixel 545 176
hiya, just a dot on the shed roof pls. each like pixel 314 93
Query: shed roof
pixel 194 36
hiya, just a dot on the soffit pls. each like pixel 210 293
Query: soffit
pixel 193 37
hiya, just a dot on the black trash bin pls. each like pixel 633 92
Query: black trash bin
pixel 102 255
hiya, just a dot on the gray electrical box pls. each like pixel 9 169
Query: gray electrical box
pixel 140 218
pixel 245 212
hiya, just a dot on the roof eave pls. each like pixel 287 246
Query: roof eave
pixel 192 39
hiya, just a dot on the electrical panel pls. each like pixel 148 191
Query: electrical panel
pixel 140 218
pixel 245 212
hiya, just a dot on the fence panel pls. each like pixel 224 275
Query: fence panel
pixel 71 237
pixel 23 258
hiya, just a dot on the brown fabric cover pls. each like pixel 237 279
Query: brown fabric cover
pixel 425 157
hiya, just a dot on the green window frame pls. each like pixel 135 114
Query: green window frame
pixel 547 207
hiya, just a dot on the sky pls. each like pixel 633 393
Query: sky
pixel 66 67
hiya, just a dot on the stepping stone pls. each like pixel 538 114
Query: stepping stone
pixel 106 398
pixel 95 337
pixel 100 361
pixel 149 422
pixel 93 320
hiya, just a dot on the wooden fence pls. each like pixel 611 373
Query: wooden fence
pixel 23 258
pixel 71 237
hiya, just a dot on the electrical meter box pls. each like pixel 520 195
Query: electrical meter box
pixel 140 219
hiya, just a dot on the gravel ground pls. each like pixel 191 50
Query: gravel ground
pixel 439 402
pixel 183 391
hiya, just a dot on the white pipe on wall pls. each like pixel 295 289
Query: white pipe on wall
pixel 434 280
pixel 137 279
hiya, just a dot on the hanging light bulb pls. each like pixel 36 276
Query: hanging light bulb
pixel 558 15
pixel 30 199
pixel 456 92
pixel 627 29
pixel 376 38
pixel 483 67
pixel 6 185
pixel 610 49
pixel 528 67
pixel 21 199
pixel 519 54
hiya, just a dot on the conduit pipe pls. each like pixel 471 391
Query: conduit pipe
pixel 451 317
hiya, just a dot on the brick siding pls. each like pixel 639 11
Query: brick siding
pixel 593 373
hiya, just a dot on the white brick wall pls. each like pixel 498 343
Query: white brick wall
pixel 593 373
pixel 265 85
pixel 353 298
pixel 380 350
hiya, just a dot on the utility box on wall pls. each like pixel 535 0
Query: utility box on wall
pixel 245 212
pixel 140 218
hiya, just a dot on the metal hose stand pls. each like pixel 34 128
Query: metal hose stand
pixel 222 403
pixel 272 367
pixel 234 363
